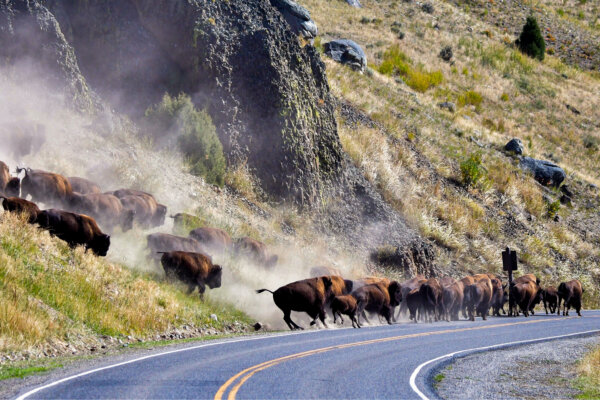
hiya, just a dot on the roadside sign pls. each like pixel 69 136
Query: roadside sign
pixel 509 260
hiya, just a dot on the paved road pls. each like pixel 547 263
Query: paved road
pixel 375 362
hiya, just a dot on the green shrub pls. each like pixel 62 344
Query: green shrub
pixel 196 135
pixel 553 208
pixel 471 98
pixel 504 97
pixel 531 41
pixel 472 170
pixel 396 63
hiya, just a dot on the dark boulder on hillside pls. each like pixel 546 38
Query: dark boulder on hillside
pixel 545 172
pixel 515 145
pixel 31 41
pixel 347 52
pixel 354 3
pixel 297 17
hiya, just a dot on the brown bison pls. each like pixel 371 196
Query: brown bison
pixel 466 281
pixel 499 297
pixel 256 251
pixel 148 212
pixel 45 187
pixel 377 298
pixel 75 229
pixel 431 298
pixel 83 186
pixel 408 286
pixel 413 303
pixel 522 295
pixel 193 269
pixel 308 295
pixel 212 238
pixel 23 137
pixel 527 278
pixel 570 294
pixel 551 300
pixel 163 242
pixel 107 209
pixel 478 297
pixel 345 304
pixel 452 300
pixel 21 206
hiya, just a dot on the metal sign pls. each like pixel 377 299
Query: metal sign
pixel 509 260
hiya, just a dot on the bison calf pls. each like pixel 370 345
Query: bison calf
pixel 193 269
pixel 308 295
pixel 551 300
pixel 345 304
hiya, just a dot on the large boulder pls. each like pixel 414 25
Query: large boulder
pixel 298 18
pixel 347 52
pixel 32 42
pixel 545 172
pixel 268 96
pixel 514 145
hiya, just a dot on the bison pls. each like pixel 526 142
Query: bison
pixel 83 186
pixel 193 269
pixel 431 297
pixel 163 242
pixel 212 238
pixel 452 300
pixel 522 295
pixel 75 229
pixel 9 186
pixel 308 295
pixel 107 209
pixel 413 303
pixel 21 206
pixel 499 297
pixel 408 286
pixel 345 304
pixel 256 251
pixel 551 300
pixel 570 294
pixel 148 212
pixel 478 297
pixel 377 298
pixel 45 187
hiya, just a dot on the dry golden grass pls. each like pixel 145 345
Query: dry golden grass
pixel 50 293
pixel 589 372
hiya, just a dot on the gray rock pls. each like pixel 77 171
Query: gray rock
pixel 297 17
pixel 214 317
pixel 347 52
pixel 446 53
pixel 354 3
pixel 448 105
pixel 545 172
pixel 514 145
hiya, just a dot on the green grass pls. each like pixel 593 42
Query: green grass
pixel 22 370
pixel 396 63
pixel 439 377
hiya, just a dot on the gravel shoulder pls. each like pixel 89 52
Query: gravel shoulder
pixel 538 371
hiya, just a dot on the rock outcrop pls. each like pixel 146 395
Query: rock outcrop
pixel 514 145
pixel 545 172
pixel 347 52
pixel 298 18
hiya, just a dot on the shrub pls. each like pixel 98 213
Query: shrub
pixel 553 208
pixel 504 97
pixel 472 170
pixel 470 97
pixel 531 41
pixel 395 62
pixel 196 135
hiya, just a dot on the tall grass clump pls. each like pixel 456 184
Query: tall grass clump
pixel 196 135
pixel 472 170
pixel 396 63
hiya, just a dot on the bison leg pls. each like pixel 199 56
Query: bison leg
pixel 322 318
pixel 355 323
pixel 288 320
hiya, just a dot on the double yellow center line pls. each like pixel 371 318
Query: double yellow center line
pixel 236 381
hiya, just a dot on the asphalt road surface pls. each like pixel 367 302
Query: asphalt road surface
pixel 396 361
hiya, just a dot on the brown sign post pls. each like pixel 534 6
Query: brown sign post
pixel 509 264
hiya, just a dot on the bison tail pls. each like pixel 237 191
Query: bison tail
pixel 263 290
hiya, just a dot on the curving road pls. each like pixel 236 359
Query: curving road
pixel 378 362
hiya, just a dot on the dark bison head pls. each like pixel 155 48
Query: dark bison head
pixel 13 187
pixel 214 277
pixel 349 285
pixel 80 203
pixel 158 219
pixel 100 244
pixel 395 291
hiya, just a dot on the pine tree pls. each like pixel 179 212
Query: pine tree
pixel 531 41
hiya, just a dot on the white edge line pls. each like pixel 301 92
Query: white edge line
pixel 69 378
pixel 415 373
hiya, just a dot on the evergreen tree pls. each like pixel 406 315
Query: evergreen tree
pixel 531 41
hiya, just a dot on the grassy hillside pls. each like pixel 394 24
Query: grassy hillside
pixel 446 171
pixel 54 300
pixel 589 380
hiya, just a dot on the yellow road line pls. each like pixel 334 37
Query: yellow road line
pixel 249 372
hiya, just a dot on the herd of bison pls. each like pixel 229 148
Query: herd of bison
pixel 82 208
